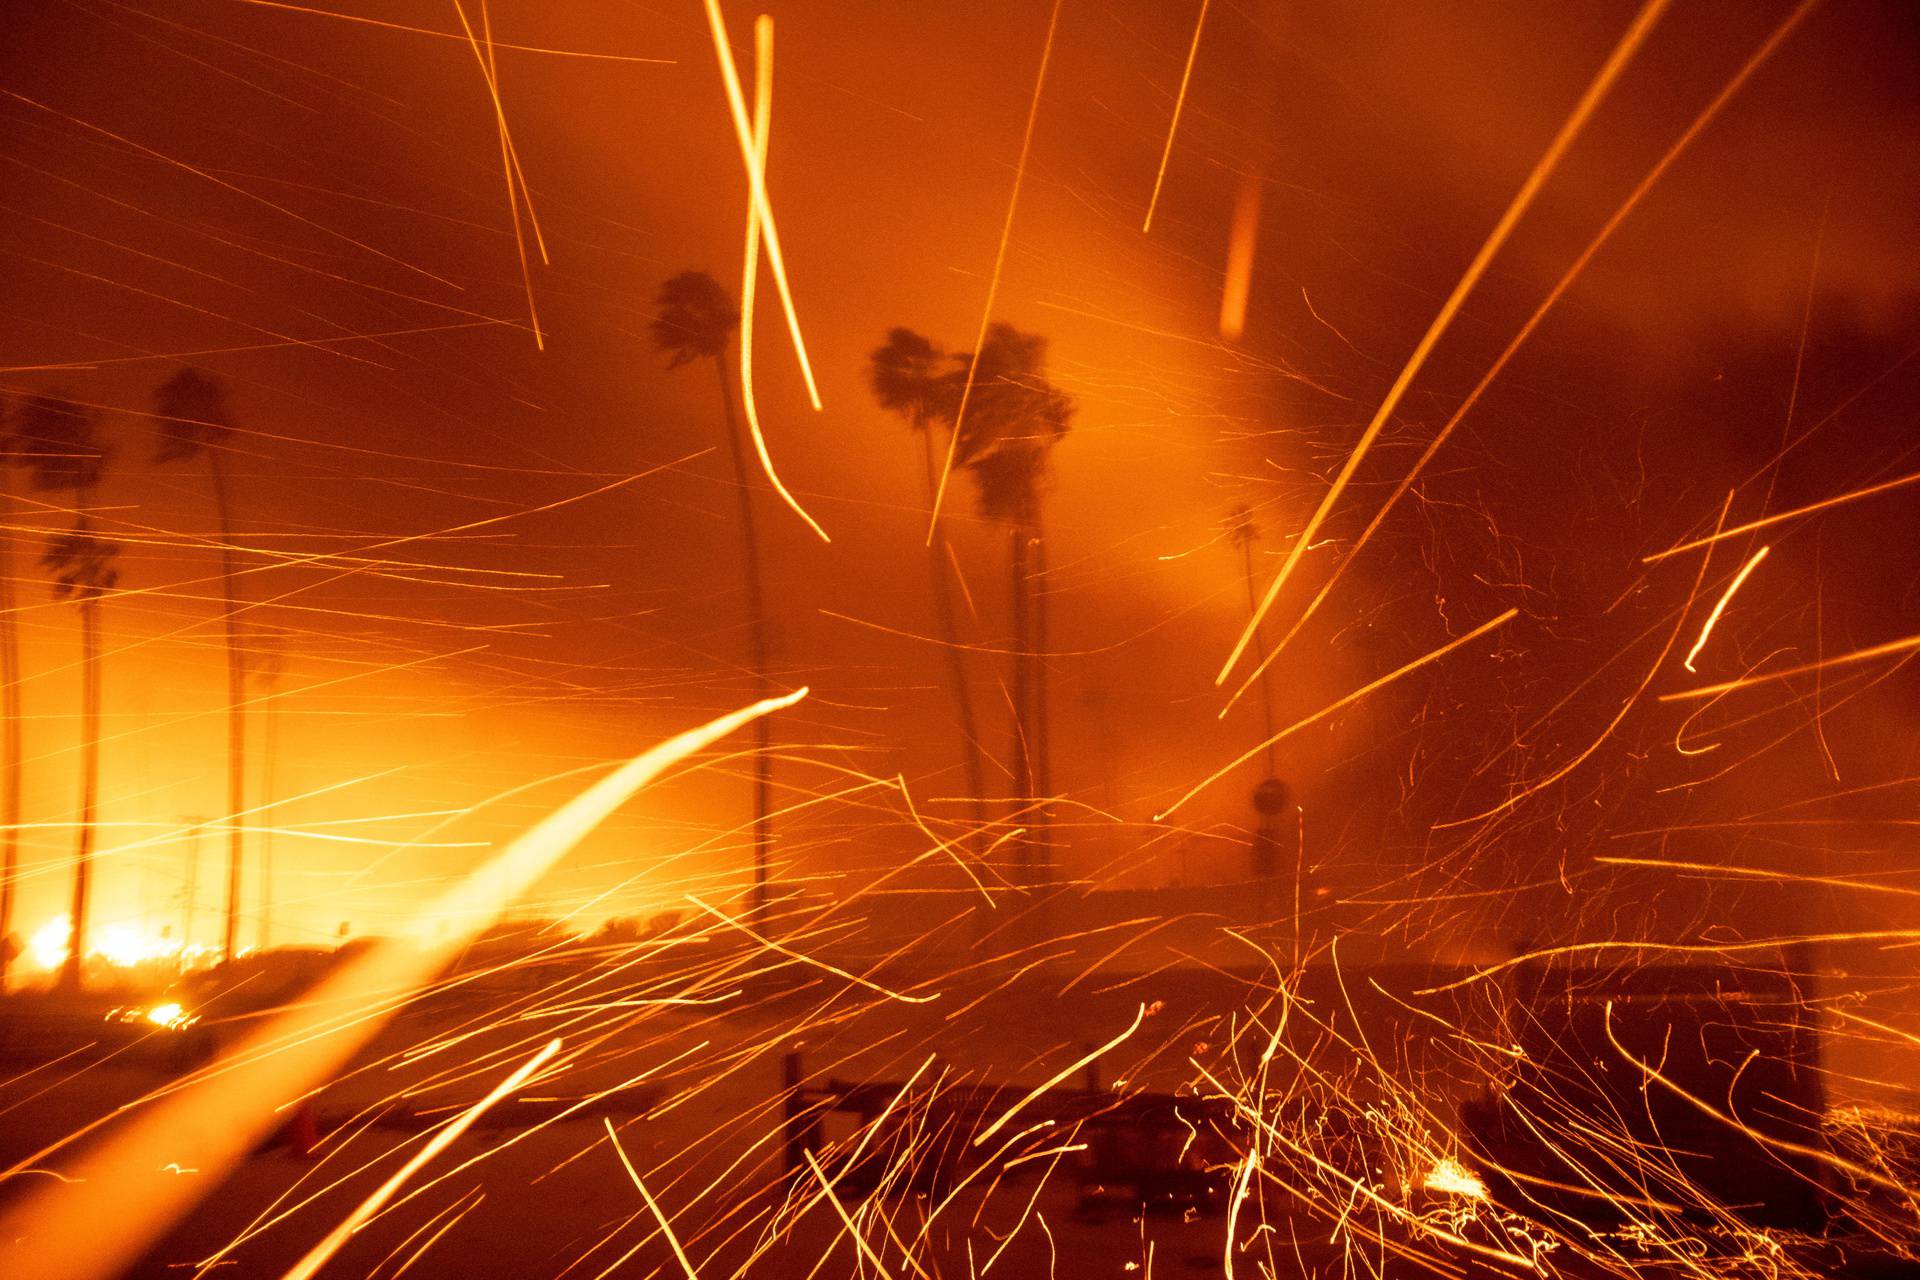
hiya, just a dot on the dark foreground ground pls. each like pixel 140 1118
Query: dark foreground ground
pixel 696 1093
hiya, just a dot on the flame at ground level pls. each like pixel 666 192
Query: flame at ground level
pixel 122 944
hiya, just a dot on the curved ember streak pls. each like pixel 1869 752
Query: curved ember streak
pixel 213 1121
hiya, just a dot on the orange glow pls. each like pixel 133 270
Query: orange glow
pixel 340 619
pixel 122 944
pixel 1448 1177
pixel 1242 240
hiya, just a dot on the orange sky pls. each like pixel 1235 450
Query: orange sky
pixel 226 176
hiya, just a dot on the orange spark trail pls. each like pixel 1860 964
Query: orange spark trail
pixel 509 164
pixel 1583 110
pixel 1721 607
pixel 1763 522
pixel 1138 1017
pixel 1241 242
pixel 212 1120
pixel 1173 126
pixel 762 126
pixel 242 192
pixel 756 184
pixel 665 1227
pixel 318 1255
pixel 1673 948
pixel 1756 873
pixel 791 954
pixel 1328 710
pixel 1906 644
pixel 1633 700
pixel 1820 1153
pixel 852 1230
pixel 1700 122
pixel 993 281
pixel 448 35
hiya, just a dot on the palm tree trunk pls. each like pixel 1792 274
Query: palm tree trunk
pixel 15 766
pixel 89 774
pixel 1037 693
pixel 937 569
pixel 236 711
pixel 757 611
pixel 1020 603
pixel 270 752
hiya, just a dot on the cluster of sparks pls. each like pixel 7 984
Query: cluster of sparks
pixel 724 1091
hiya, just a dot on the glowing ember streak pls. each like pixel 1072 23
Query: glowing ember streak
pixel 852 1230
pixel 1619 717
pixel 1906 644
pixel 509 164
pixel 214 1118
pixel 1732 1122
pixel 993 280
pixel 448 35
pixel 315 343
pixel 1589 101
pixel 1241 241
pixel 1756 873
pixel 222 183
pixel 1449 1177
pixel 1673 948
pixel 762 125
pixel 1328 710
pixel 1721 607
pixel 763 209
pixel 1173 125
pixel 1138 1017
pixel 791 954
pixel 1885 486
pixel 666 1227
pixel 318 1255
pixel 1359 1189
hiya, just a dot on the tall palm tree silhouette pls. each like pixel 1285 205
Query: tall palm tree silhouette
pixel 10 736
pixel 695 320
pixel 1014 418
pixel 59 441
pixel 910 378
pixel 191 409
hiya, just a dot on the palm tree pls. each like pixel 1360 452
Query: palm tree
pixel 191 412
pixel 59 442
pixel 10 711
pixel 908 378
pixel 696 319
pixel 266 668
pixel 1014 417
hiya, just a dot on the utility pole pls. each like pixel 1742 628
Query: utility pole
pixel 266 669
